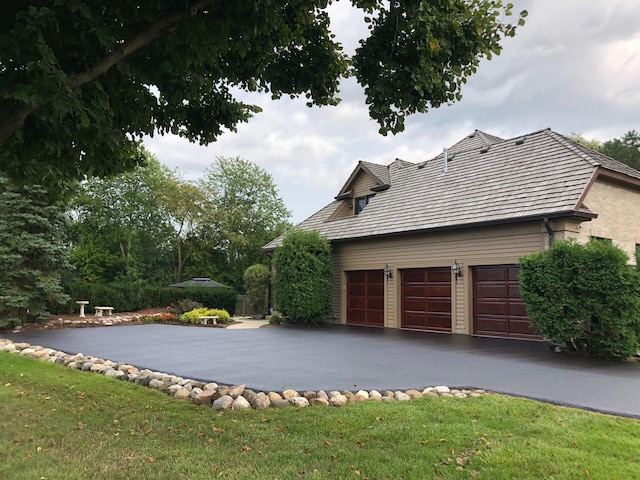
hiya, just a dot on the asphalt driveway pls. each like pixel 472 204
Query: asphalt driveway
pixel 351 358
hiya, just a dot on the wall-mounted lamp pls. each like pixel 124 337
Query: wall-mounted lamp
pixel 456 269
pixel 388 272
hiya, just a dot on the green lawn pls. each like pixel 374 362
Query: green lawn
pixel 59 423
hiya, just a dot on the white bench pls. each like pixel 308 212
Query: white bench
pixel 101 310
pixel 204 319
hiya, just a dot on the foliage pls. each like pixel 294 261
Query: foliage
pixel 276 318
pixel 256 282
pixel 119 230
pixel 303 277
pixel 183 306
pixel 33 254
pixel 246 213
pixel 585 296
pixel 143 433
pixel 130 297
pixel 625 149
pixel 168 317
pixel 193 316
pixel 82 81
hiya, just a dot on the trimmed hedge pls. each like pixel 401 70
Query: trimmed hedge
pixel 585 296
pixel 134 296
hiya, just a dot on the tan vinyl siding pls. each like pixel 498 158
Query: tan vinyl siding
pixel 618 219
pixel 363 185
pixel 480 246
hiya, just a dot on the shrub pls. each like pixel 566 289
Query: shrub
pixel 194 315
pixel 185 305
pixel 158 318
pixel 256 282
pixel 133 296
pixel 585 296
pixel 303 277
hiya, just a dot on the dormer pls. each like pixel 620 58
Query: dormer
pixel 366 180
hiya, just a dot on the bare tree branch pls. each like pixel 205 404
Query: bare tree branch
pixel 15 121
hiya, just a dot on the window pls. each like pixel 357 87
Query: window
pixel 600 239
pixel 362 202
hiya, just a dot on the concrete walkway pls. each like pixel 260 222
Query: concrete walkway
pixel 247 323
pixel 351 358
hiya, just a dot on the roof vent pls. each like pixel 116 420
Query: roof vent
pixel 520 140
pixel 485 149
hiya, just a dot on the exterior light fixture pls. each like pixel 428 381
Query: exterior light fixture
pixel 388 272
pixel 456 269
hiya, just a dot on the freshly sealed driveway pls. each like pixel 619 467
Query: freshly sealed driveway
pixel 351 358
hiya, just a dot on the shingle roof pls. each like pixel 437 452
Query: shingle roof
pixel 535 175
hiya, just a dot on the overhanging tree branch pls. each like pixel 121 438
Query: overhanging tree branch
pixel 15 121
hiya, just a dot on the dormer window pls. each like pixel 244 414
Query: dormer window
pixel 362 202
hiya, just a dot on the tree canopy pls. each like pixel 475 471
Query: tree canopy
pixel 81 82
pixel 625 149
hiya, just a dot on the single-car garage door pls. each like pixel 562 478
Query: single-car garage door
pixel 426 299
pixel 365 298
pixel 498 310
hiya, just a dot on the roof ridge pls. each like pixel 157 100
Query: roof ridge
pixel 569 144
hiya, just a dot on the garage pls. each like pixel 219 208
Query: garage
pixel 365 298
pixel 498 310
pixel 426 299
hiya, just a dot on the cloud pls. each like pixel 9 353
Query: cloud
pixel 574 67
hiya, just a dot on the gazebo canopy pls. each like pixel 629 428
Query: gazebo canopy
pixel 199 282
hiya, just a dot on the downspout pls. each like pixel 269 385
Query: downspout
pixel 550 234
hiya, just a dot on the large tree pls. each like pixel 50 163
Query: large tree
pixel 245 213
pixel 81 81
pixel 33 253
pixel 120 231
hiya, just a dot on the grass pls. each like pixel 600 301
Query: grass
pixel 61 423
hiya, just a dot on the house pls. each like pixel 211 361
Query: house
pixel 435 245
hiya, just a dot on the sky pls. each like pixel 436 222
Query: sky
pixel 574 67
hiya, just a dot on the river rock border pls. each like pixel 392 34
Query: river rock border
pixel 223 397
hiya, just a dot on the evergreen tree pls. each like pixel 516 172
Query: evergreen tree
pixel 33 254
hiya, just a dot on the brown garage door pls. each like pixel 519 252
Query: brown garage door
pixel 426 299
pixel 365 298
pixel 498 310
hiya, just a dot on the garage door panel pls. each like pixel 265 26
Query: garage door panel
pixel 439 290
pixel 357 302
pixel 375 303
pixel 443 306
pixel 518 310
pixel 490 274
pixel 376 290
pixel 491 324
pixel 498 309
pixel 426 299
pixel 491 291
pixel 357 289
pixel 491 308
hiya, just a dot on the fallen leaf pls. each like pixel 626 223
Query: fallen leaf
pixel 246 448
pixel 442 440
pixel 327 444
pixel 150 460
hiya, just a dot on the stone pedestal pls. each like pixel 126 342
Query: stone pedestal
pixel 82 303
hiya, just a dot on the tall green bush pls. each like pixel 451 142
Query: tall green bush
pixel 585 296
pixel 303 277
pixel 256 281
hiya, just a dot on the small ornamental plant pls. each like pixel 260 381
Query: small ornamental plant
pixel 193 316
pixel 158 318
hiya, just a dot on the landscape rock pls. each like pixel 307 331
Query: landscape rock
pixel 442 389
pixel 280 403
pixel 274 396
pixel 401 396
pixel 322 394
pixel 261 401
pixel 183 393
pixel 319 402
pixel 223 403
pixel 338 400
pixel 236 391
pixel 240 403
pixel 299 402
pixel 204 398
pixel 289 394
